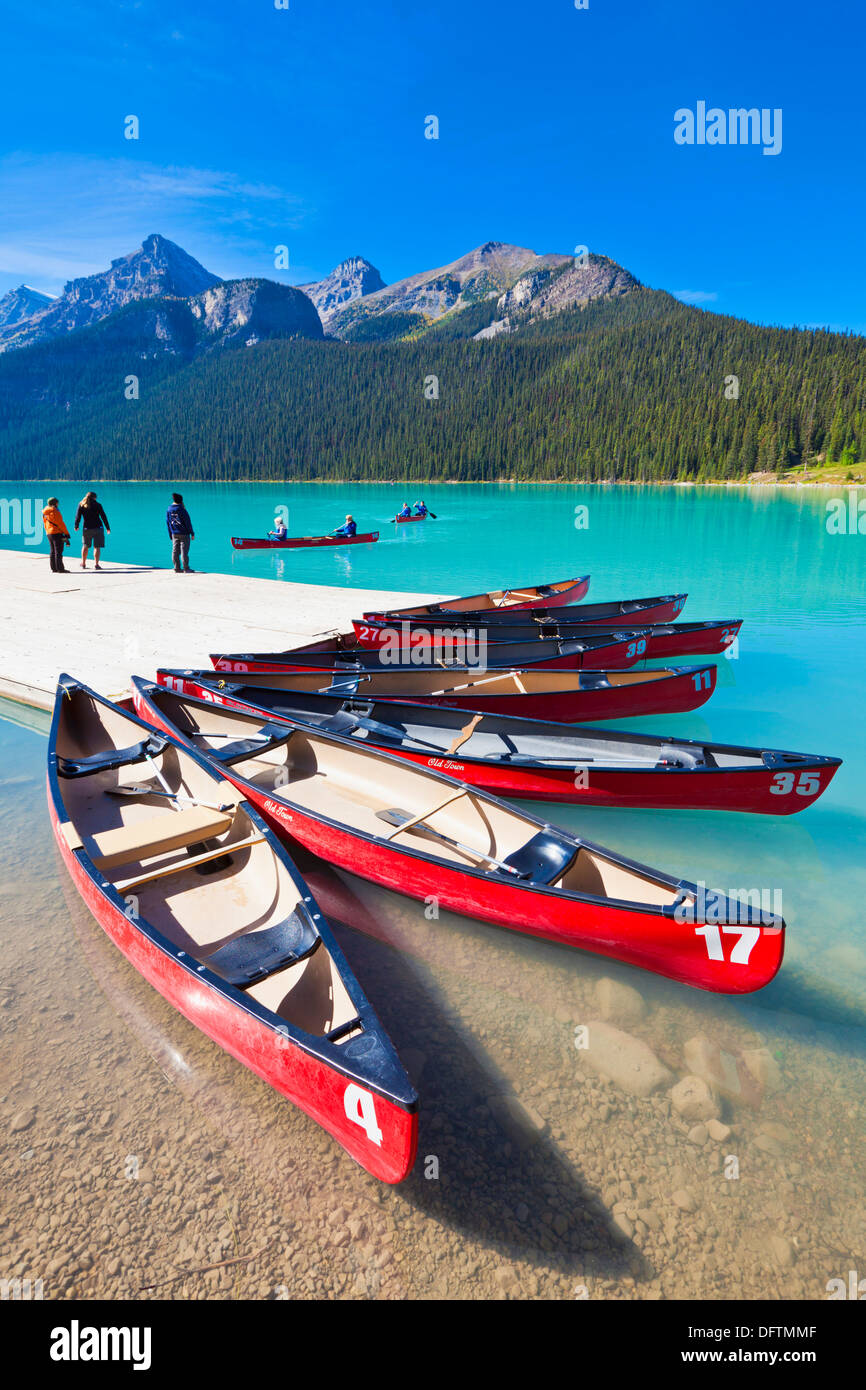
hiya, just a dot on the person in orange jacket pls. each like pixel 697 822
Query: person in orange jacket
pixel 57 533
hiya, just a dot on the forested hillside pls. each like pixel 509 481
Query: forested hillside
pixel 628 388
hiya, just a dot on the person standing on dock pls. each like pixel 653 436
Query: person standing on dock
pixel 180 529
pixel 93 519
pixel 57 533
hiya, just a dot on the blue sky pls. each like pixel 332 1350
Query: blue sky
pixel 305 127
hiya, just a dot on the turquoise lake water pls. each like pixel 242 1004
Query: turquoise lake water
pixel 487 1011
pixel 798 675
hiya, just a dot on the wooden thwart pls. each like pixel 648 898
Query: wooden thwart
pixel 164 870
pixel 425 815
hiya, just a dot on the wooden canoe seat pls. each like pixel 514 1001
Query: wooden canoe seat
pixel 127 844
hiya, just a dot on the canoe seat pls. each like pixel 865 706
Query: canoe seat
pixel 269 736
pixel 257 954
pixel 674 755
pixel 544 858
pixel 127 844
pixel 112 758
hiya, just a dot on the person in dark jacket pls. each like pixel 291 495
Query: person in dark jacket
pixel 92 518
pixel 180 529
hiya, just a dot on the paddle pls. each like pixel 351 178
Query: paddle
pixel 172 796
pixel 387 731
pixel 400 818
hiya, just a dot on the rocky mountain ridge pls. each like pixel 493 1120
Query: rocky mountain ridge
pixel 495 288
pixel 158 268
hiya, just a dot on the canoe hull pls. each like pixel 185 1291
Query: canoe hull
pixel 650 939
pixel 772 782
pixel 301 542
pixel 626 613
pixel 676 693
pixel 675 789
pixel 659 642
pixel 536 596
pixel 320 1091
pixel 613 652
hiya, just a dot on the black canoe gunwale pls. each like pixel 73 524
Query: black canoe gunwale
pixel 443 616
pixel 771 758
pixel 325 1052
pixel 585 678
pixel 667 910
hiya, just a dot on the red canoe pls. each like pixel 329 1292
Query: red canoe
pixel 563 696
pixel 429 837
pixel 632 612
pixel 191 885
pixel 302 542
pixel 400 519
pixel 538 761
pixel 534 596
pixel 660 641
pixel 600 652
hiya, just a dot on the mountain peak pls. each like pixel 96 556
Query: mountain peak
pixel 354 278
pixel 21 304
pixel 158 269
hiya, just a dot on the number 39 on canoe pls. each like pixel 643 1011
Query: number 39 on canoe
pixel 418 832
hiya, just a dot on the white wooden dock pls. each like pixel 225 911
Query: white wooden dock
pixel 103 626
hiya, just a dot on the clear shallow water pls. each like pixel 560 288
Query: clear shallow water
pixel 550 1178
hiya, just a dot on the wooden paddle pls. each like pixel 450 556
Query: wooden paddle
pixel 132 790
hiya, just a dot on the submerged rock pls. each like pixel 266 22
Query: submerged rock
pixel 623 1059
pixel 618 1002
pixel 692 1099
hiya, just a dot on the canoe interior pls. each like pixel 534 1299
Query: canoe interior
pixel 475 649
pixel 577 613
pixel 498 738
pixel 349 785
pixel 197 912
pixel 495 598
pixel 454 680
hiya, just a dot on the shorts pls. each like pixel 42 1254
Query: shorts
pixel 94 536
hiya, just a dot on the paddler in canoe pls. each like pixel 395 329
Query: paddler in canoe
pixel 349 527
pixel 405 510
pixel 420 508
pixel 280 533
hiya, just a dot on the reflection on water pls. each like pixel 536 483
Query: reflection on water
pixel 140 1161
